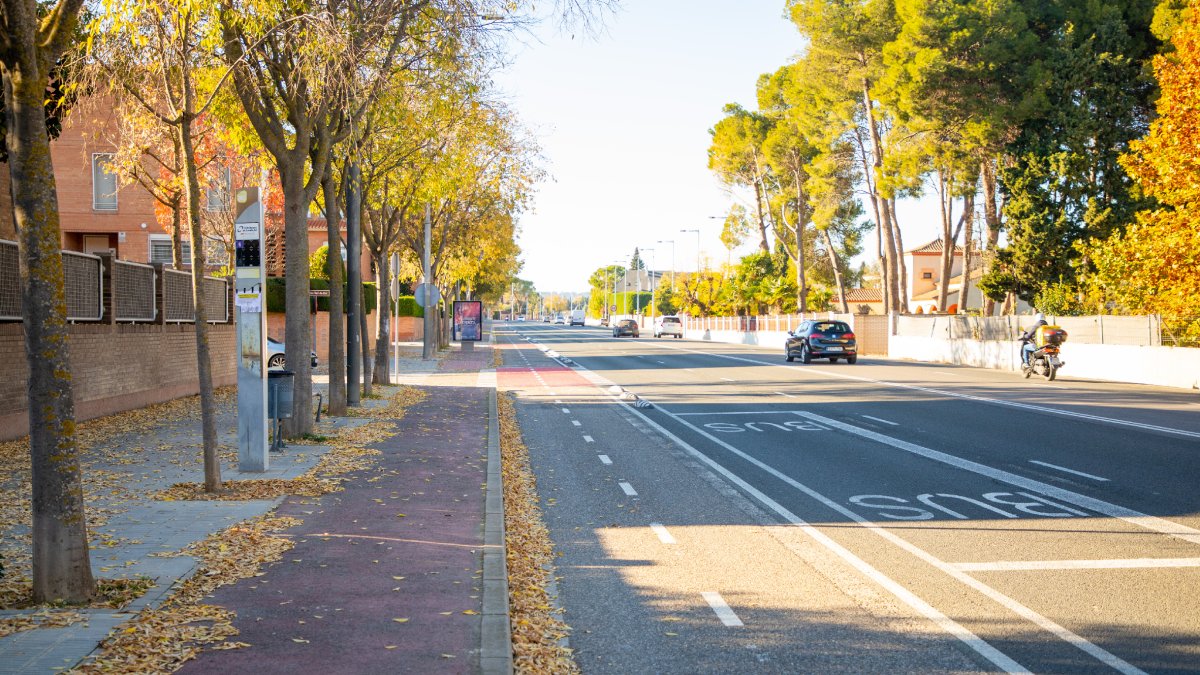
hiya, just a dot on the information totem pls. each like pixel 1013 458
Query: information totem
pixel 250 302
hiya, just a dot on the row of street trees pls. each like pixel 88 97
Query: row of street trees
pixel 1017 115
pixel 372 111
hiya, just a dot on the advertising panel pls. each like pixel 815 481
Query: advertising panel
pixel 468 320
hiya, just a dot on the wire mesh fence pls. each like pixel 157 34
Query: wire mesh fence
pixel 83 283
pixel 10 282
pixel 133 287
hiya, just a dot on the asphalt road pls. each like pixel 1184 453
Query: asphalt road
pixel 763 516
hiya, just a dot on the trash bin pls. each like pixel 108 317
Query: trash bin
pixel 280 393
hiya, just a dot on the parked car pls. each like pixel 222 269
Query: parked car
pixel 626 327
pixel 275 358
pixel 668 325
pixel 816 339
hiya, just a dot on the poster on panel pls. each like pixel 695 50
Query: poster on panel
pixel 468 320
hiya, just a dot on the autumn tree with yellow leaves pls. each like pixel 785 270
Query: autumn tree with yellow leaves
pixel 1151 266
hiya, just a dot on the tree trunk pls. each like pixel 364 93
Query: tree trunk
pixel 176 228
pixel 61 564
pixel 801 277
pixel 208 413
pixel 946 210
pixel 901 268
pixel 965 287
pixel 762 223
pixel 365 343
pixel 892 281
pixel 383 339
pixel 992 218
pixel 837 270
pixel 337 335
pixel 296 334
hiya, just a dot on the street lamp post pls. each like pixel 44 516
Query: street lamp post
pixel 650 280
pixel 697 232
pixel 672 243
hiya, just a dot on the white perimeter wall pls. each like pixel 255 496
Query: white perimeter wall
pixel 1162 366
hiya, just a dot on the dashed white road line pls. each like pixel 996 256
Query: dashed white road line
pixel 1063 468
pixel 576 423
pixel 604 459
pixel 724 612
pixel 566 411
pixel 628 489
pixel 663 536
pixel 588 439
pixel 881 420
pixel 727 379
pixel 784 393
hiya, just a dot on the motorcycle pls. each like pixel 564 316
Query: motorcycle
pixel 1044 360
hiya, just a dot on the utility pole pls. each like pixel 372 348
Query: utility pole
pixel 353 287
pixel 429 342
pixel 650 280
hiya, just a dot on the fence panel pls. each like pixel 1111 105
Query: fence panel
pixel 84 286
pixel 177 296
pixel 133 291
pixel 216 300
pixel 10 282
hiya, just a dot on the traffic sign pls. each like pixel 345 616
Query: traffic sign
pixel 427 294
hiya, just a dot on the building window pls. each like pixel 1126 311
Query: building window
pixel 104 182
pixel 216 198
pixel 926 275
pixel 160 250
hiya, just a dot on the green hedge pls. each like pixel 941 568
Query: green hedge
pixel 277 294
pixel 406 305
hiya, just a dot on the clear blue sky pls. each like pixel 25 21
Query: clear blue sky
pixel 623 122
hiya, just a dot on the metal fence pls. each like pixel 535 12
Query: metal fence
pixel 177 298
pixel 133 290
pixel 1099 329
pixel 135 294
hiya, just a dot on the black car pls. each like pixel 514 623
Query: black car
pixel 831 340
pixel 625 327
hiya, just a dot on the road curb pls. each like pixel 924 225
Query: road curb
pixel 495 653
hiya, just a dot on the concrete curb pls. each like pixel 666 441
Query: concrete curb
pixel 495 653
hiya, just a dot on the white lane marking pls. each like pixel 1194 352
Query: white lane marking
pixel 948 625
pixel 566 411
pixel 784 393
pixel 604 459
pixel 1037 565
pixel 1153 523
pixel 628 489
pixel 576 423
pixel 878 419
pixel 661 362
pixel 1063 468
pixel 553 394
pixel 740 412
pixel 724 612
pixel 951 394
pixel 588 439
pixel 727 379
pixel 663 536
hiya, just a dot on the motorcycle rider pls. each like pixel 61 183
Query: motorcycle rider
pixel 1028 338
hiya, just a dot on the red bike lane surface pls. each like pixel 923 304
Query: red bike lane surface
pixel 551 376
pixel 385 576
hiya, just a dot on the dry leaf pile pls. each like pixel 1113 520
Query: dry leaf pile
pixel 536 627
pixel 105 492
pixel 159 640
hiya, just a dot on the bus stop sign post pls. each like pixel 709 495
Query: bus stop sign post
pixel 250 301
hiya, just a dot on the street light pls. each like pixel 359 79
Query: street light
pixel 650 280
pixel 672 243
pixel 697 232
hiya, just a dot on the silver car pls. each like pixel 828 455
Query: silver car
pixel 275 357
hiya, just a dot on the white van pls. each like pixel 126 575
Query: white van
pixel 577 317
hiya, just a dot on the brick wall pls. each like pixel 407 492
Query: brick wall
pixel 116 368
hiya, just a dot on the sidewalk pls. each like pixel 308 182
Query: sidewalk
pixel 387 575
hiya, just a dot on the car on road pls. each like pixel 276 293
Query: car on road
pixel 560 319
pixel 626 327
pixel 820 339
pixel 578 317
pixel 546 319
pixel 521 317
pixel 668 325
pixel 275 357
